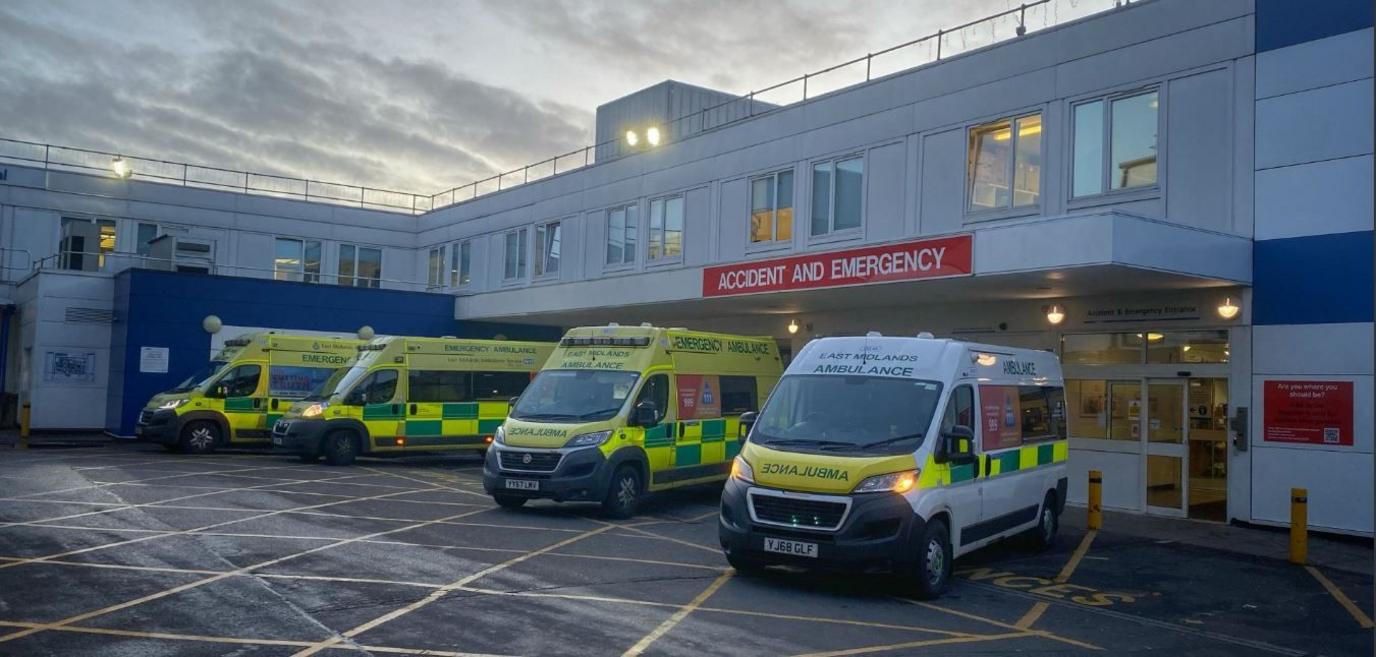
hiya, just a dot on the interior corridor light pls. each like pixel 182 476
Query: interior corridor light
pixel 1055 315
pixel 792 326
pixel 1228 309
pixel 632 138
pixel 121 167
pixel 652 136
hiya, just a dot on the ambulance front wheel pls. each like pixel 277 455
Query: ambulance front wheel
pixel 199 437
pixel 623 493
pixel 933 569
pixel 1044 534
pixel 745 565
pixel 340 448
pixel 509 501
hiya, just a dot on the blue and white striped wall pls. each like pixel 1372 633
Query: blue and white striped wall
pixel 1312 295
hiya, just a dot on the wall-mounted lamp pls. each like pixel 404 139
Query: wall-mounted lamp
pixel 792 326
pixel 632 138
pixel 1055 314
pixel 1228 309
pixel 212 324
pixel 121 167
pixel 652 135
pixel 365 332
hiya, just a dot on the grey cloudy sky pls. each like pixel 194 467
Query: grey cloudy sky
pixel 416 96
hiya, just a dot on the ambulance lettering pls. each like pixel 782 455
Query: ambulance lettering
pixel 817 472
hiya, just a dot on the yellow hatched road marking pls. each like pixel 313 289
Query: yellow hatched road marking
pixel 999 623
pixel 919 644
pixel 678 616
pixel 1357 614
pixel 1035 613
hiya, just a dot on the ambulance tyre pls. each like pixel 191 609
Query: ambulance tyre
pixel 509 501
pixel 199 437
pixel 340 448
pixel 745 565
pixel 623 493
pixel 1044 534
pixel 308 456
pixel 932 571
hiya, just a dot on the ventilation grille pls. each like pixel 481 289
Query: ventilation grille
pixel 90 315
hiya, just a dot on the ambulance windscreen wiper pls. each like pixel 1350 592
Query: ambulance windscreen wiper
pixel 891 441
pixel 812 442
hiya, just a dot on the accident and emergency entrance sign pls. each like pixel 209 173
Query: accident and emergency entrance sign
pixel 940 257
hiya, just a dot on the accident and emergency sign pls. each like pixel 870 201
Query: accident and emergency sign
pixel 930 258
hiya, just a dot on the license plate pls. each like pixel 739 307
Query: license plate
pixel 795 548
pixel 522 484
pixel 277 440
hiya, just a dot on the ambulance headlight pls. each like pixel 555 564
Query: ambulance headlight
pixel 499 436
pixel 741 471
pixel 894 482
pixel 589 439
pixel 315 410
pixel 171 404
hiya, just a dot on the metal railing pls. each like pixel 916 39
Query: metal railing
pixel 943 44
pixel 84 160
pixel 113 262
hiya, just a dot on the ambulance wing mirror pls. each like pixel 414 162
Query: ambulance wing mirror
pixel 511 403
pixel 957 446
pixel 748 420
pixel 645 414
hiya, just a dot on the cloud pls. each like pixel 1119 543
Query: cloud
pixel 258 93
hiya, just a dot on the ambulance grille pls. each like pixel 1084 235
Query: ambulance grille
pixel 539 461
pixel 145 417
pixel 799 513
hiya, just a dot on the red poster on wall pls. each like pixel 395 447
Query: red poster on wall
pixel 1310 412
pixel 699 397
pixel 1000 413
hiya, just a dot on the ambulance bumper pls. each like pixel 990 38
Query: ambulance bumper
pixel 577 474
pixel 878 532
pixel 297 436
pixel 158 426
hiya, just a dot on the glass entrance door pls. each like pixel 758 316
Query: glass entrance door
pixel 1166 429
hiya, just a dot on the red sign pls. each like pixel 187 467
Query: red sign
pixel 931 258
pixel 1001 416
pixel 1312 412
pixel 699 397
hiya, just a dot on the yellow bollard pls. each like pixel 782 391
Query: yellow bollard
pixel 1299 525
pixel 24 412
pixel 1096 497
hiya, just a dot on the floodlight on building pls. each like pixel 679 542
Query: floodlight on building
pixel 121 167
pixel 792 326
pixel 1228 309
pixel 1055 315
pixel 652 135
pixel 632 138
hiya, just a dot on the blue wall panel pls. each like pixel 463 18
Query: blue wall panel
pixel 1282 23
pixel 165 309
pixel 1313 280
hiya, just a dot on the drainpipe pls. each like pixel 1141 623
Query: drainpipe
pixel 6 312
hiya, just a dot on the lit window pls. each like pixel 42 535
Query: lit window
pixel 1005 163
pixel 622 224
pixel 84 238
pixel 296 260
pixel 1128 125
pixel 666 228
pixel 360 266
pixel 514 265
pixel 547 249
pixel 771 208
pixel 838 188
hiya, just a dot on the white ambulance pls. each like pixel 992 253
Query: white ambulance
pixel 898 454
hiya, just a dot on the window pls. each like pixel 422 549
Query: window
pixel 771 208
pixel 1104 409
pixel 296 260
pixel 499 385
pixel 435 268
pixel 1017 415
pixel 1005 164
pixel 1102 349
pixel 241 381
pixel 378 388
pixel 666 228
pixel 146 234
pixel 515 259
pixel 438 386
pixel 960 410
pixel 837 191
pixel 294 381
pixel 547 249
pixel 1128 125
pixel 360 266
pixel 656 391
pixel 85 238
pixel 739 394
pixel 622 224
pixel 459 275
pixel 1188 347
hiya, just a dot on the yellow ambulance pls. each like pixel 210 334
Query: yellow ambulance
pixel 619 411
pixel 240 394
pixel 899 454
pixel 405 395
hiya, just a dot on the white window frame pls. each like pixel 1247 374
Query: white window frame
pixel 522 253
pixel 300 274
pixel 663 202
pixel 541 259
pixel 1012 210
pixel 633 251
pixel 773 242
pixel 64 256
pixel 435 267
pixel 832 234
pixel 461 259
pixel 356 280
pixel 1107 195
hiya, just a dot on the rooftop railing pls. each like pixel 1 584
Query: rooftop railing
pixel 943 44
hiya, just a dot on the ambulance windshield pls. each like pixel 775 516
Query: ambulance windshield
pixel 574 396
pixel 201 376
pixel 857 414
pixel 327 387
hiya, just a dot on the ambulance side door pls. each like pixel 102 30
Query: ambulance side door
pixel 964 486
pixel 242 391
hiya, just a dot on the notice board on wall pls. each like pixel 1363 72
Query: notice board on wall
pixel 1307 412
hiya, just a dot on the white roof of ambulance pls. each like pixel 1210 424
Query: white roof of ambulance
pixel 925 358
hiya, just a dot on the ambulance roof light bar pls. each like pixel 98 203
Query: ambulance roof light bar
pixel 874 334
pixel 603 341
pixel 237 342
pixel 925 335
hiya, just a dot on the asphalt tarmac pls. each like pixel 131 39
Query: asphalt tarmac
pixel 127 550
